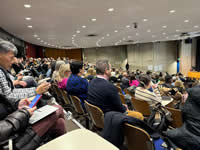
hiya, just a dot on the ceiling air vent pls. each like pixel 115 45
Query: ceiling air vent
pixel 130 41
pixel 67 46
pixel 92 35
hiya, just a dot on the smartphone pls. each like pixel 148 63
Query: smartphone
pixel 173 92
pixel 35 101
pixel 49 81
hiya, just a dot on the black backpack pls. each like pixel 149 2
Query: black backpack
pixel 160 118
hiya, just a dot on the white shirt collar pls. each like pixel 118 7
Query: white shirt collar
pixel 102 77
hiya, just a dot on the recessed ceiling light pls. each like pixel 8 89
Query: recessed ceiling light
pixel 128 26
pixel 111 9
pixel 41 41
pixel 35 35
pixel 136 34
pixel 116 31
pixel 153 36
pixel 30 26
pixel 172 11
pixel 28 18
pixel 186 21
pixel 83 26
pixel 196 26
pixel 149 30
pixel 27 5
pixel 164 26
pixel 177 30
pixel 107 34
pixel 145 20
pixel 164 33
pixel 102 38
pixel 93 19
pixel 38 38
pixel 78 31
pixel 129 37
pixel 74 35
pixel 124 39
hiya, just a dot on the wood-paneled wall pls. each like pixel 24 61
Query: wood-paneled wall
pixel 72 53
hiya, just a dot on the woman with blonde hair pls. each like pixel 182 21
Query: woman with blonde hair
pixel 64 73
pixel 55 75
pixel 90 74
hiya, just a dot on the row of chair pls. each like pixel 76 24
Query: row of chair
pixel 141 138
pixel 92 113
pixel 143 107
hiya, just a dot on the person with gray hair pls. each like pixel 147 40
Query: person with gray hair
pixel 104 94
pixel 7 55
pixel 101 66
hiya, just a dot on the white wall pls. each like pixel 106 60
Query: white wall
pixel 116 55
pixel 160 56
pixel 139 56
pixel 185 57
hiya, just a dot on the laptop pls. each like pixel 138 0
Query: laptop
pixel 41 113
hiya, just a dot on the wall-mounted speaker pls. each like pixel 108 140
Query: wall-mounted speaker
pixel 188 41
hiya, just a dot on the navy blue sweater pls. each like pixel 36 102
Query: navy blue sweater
pixel 105 95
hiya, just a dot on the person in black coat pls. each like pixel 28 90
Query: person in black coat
pixel 187 136
pixel 16 121
pixel 127 66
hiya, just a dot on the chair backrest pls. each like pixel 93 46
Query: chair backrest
pixel 96 115
pixel 57 90
pixel 65 97
pixel 137 138
pixel 119 89
pixel 122 98
pixel 171 104
pixel 127 92
pixel 176 116
pixel 141 106
pixel 77 105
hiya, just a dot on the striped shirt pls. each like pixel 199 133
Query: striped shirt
pixel 14 94
pixel 146 95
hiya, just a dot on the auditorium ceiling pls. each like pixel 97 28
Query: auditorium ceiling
pixel 99 23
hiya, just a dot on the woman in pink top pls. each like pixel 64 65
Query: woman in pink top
pixel 133 81
pixel 64 73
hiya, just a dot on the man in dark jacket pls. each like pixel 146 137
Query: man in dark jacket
pixel 187 137
pixel 102 93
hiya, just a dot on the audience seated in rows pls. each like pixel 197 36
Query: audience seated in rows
pixel 104 94
pixel 10 102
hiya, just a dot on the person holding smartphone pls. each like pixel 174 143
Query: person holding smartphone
pixel 16 121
